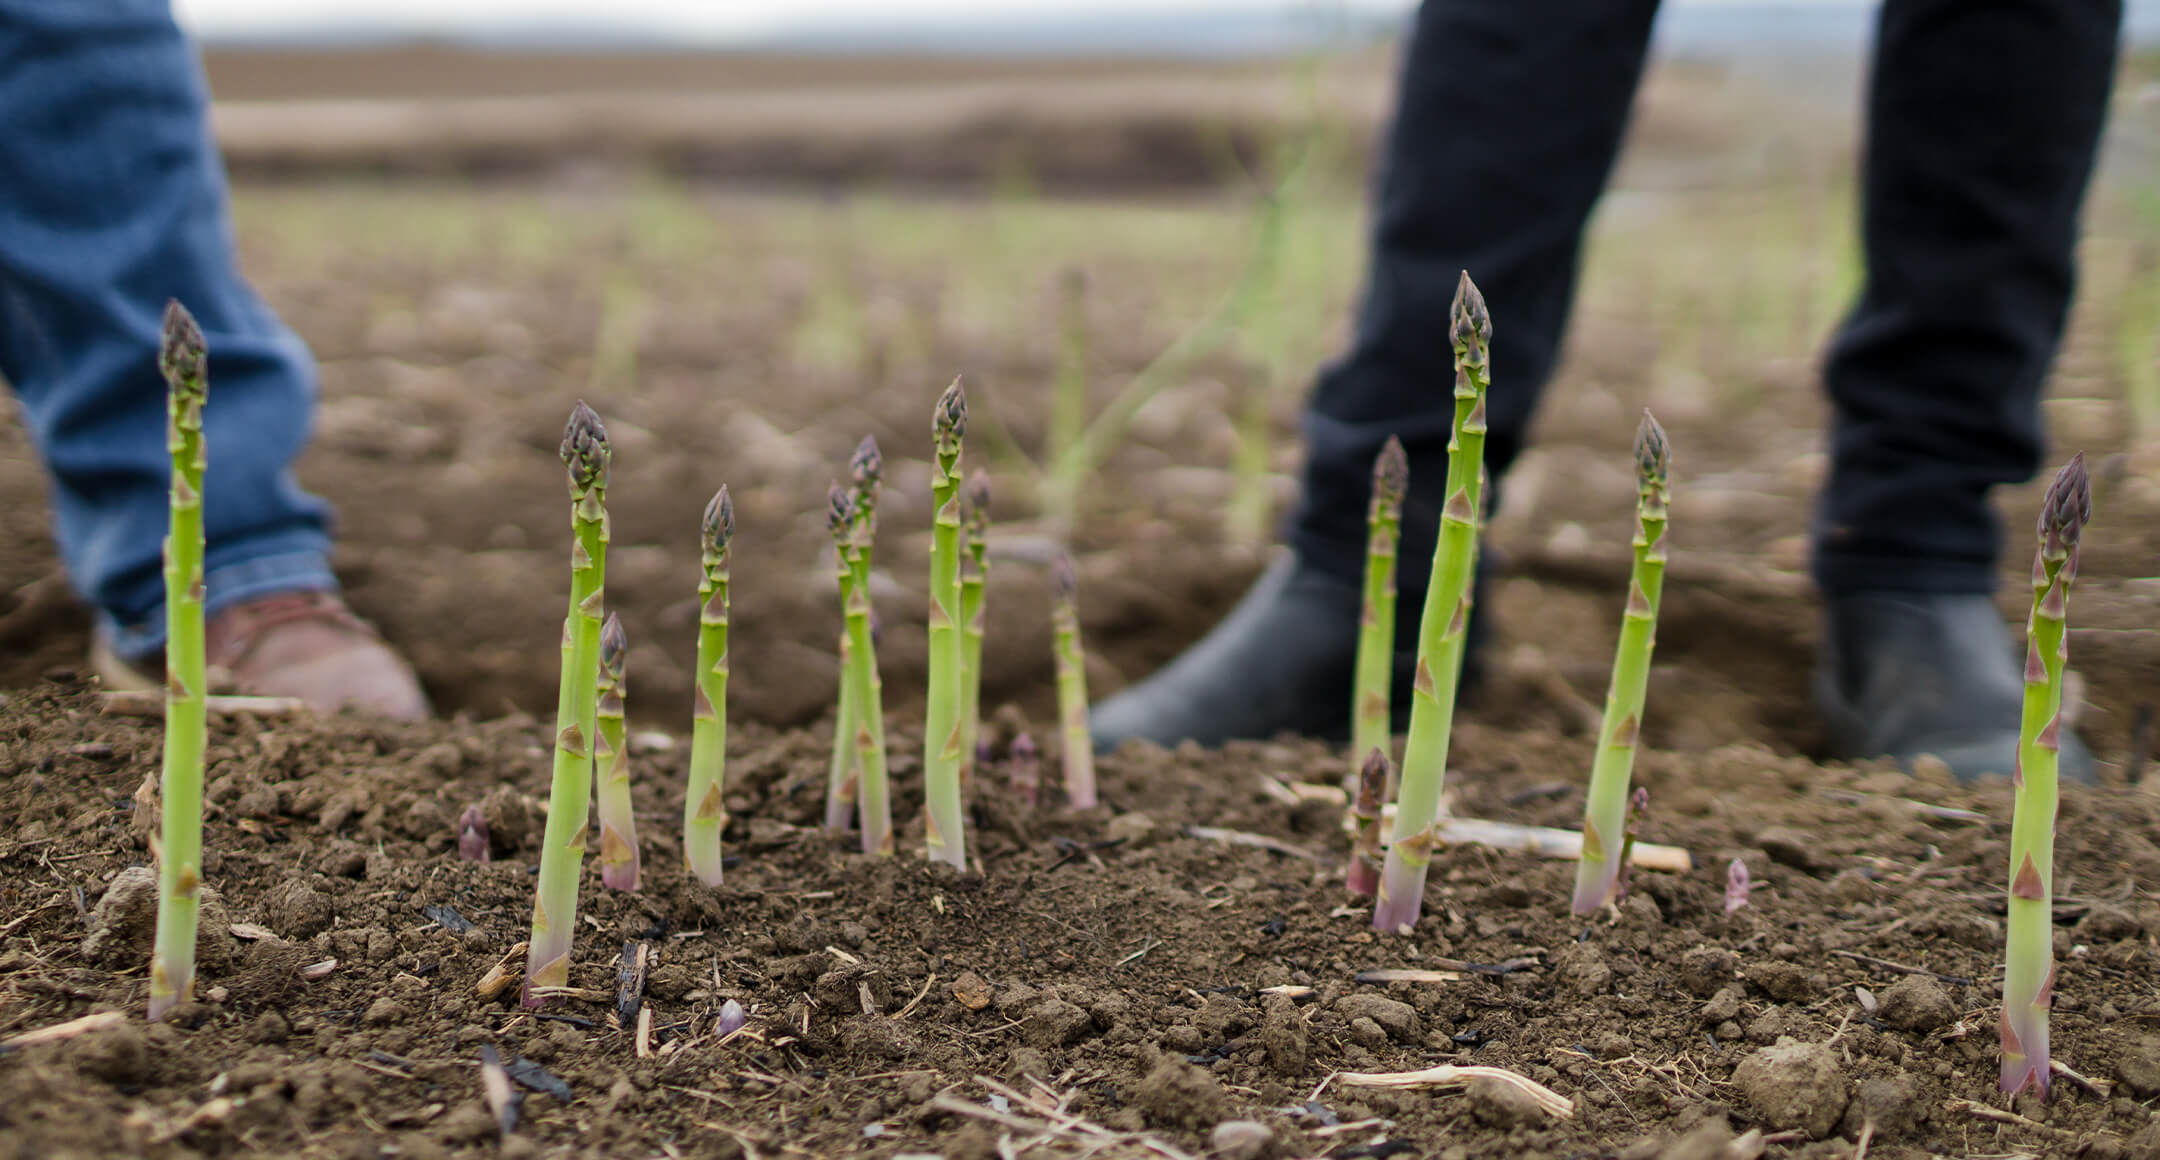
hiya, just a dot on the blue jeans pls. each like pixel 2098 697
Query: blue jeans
pixel 114 200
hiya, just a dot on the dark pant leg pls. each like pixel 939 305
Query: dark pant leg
pixel 1983 116
pixel 1508 119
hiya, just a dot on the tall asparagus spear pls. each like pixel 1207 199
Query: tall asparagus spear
pixel 1363 876
pixel 586 457
pixel 2029 975
pixel 1078 748
pixel 867 469
pixel 181 357
pixel 942 732
pixel 618 829
pixel 1371 722
pixel 1597 876
pixel 1443 623
pixel 974 574
pixel 704 808
pixel 875 795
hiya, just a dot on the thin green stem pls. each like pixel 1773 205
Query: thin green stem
pixel 943 833
pixel 874 793
pixel 618 825
pixel 1372 720
pixel 851 547
pixel 974 576
pixel 705 806
pixel 1078 753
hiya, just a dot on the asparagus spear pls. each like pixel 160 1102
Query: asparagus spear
pixel 1025 765
pixel 1079 748
pixel 585 457
pixel 704 810
pixel 181 358
pixel 866 468
pixel 862 677
pixel 2029 975
pixel 618 829
pixel 1371 725
pixel 943 735
pixel 1443 623
pixel 1597 876
pixel 974 574
pixel 1363 876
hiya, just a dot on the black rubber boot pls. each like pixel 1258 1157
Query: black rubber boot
pixel 1282 661
pixel 1905 674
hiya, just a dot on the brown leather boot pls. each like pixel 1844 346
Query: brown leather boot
pixel 307 645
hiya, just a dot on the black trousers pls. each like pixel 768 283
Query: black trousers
pixel 1982 121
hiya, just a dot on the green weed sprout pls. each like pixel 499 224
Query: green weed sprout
pixel 874 794
pixel 1363 876
pixel 974 575
pixel 942 732
pixel 704 807
pixel 2029 961
pixel 1597 876
pixel 866 468
pixel 1443 624
pixel 586 458
pixel 182 356
pixel 1372 724
pixel 618 829
pixel 1079 748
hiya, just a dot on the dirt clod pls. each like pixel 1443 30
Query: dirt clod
pixel 1705 969
pixel 2137 1065
pixel 1056 1023
pixel 1398 1019
pixel 1176 1094
pixel 1917 1003
pixel 296 909
pixel 1794 1086
pixel 1581 970
pixel 1502 1106
pixel 125 922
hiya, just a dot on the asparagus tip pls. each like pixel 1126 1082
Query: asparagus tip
pixel 585 446
pixel 1737 884
pixel 613 644
pixel 472 835
pixel 1023 747
pixel 1391 470
pixel 1064 582
pixel 2068 505
pixel 978 494
pixel 867 465
pixel 719 521
pixel 1652 456
pixel 1467 315
pixel 950 421
pixel 839 510
pixel 1372 782
pixel 181 349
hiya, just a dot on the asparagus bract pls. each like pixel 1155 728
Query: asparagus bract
pixel 943 736
pixel 704 807
pixel 2029 974
pixel 1363 876
pixel 585 456
pixel 182 356
pixel 867 469
pixel 974 575
pixel 1078 748
pixel 1597 876
pixel 1442 625
pixel 1371 726
pixel 874 794
pixel 618 829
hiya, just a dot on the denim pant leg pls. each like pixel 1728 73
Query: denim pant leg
pixel 1983 119
pixel 1508 120
pixel 114 200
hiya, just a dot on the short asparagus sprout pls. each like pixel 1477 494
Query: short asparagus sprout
pixel 1371 723
pixel 943 736
pixel 618 829
pixel 182 356
pixel 1024 771
pixel 866 468
pixel 1442 625
pixel 1597 877
pixel 2029 975
pixel 472 836
pixel 586 458
pixel 1737 885
pixel 873 792
pixel 704 807
pixel 1363 876
pixel 974 576
pixel 1078 748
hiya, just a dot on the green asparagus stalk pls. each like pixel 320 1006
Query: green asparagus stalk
pixel 618 829
pixel 1597 876
pixel 1372 725
pixel 182 357
pixel 1078 748
pixel 867 469
pixel 1443 624
pixel 1363 876
pixel 2029 975
pixel 585 457
pixel 974 574
pixel 704 808
pixel 873 792
pixel 942 733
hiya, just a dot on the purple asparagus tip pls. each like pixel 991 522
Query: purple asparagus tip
pixel 472 835
pixel 1652 460
pixel 732 1018
pixel 978 497
pixel 1737 884
pixel 1468 318
pixel 719 521
pixel 949 423
pixel 585 447
pixel 1064 583
pixel 614 642
pixel 1391 470
pixel 2068 505
pixel 181 349
pixel 1025 763
pixel 1372 784
pixel 867 466
pixel 839 510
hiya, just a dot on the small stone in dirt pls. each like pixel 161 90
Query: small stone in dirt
pixel 1794 1086
pixel 1785 982
pixel 1242 1140
pixel 297 910
pixel 1790 847
pixel 1398 1019
pixel 971 991
pixel 1056 1023
pixel 1178 1095
pixel 1502 1106
pixel 1366 1033
pixel 1705 969
pixel 1185 1039
pixel 1723 1007
pixel 125 921
pixel 1916 1003
pixel 1581 971
pixel 383 1012
pixel 2137 1065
